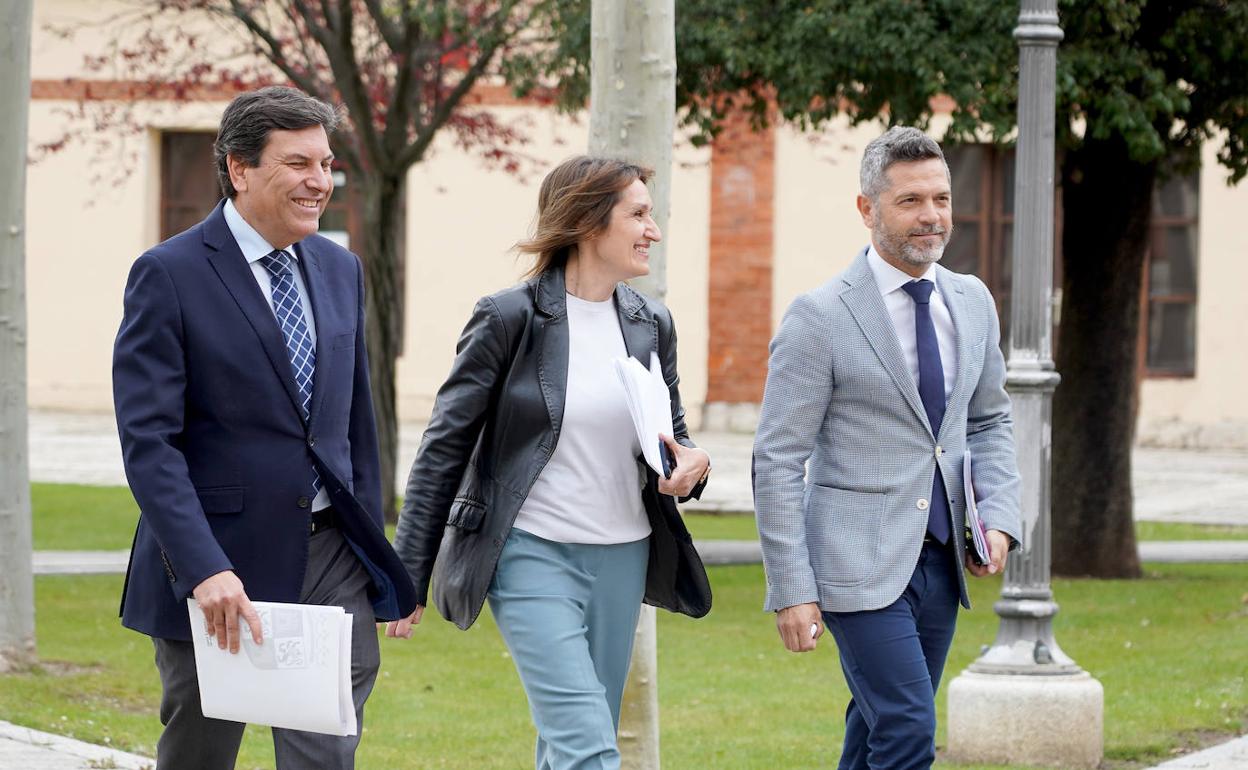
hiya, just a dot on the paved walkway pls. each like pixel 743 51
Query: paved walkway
pixel 24 749
pixel 1232 755
pixel 1170 485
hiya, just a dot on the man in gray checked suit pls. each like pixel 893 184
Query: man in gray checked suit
pixel 881 383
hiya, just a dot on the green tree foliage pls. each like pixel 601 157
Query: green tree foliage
pixel 1142 85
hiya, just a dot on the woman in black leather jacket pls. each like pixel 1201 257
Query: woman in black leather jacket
pixel 527 488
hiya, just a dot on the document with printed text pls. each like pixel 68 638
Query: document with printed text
pixel 298 677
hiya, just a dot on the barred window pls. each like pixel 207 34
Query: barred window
pixel 1169 301
pixel 983 216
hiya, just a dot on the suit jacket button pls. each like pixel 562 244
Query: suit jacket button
pixel 312 441
pixel 940 450
pixel 921 504
pixel 304 501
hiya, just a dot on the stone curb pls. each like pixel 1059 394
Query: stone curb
pixel 80 562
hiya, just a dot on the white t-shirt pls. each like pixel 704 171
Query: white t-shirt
pixel 590 490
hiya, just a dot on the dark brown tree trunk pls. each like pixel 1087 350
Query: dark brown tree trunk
pixel 382 252
pixel 1107 203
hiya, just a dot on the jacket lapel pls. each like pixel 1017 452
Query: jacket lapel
pixel 314 280
pixel 552 361
pixel 235 273
pixel 862 297
pixel 952 293
pixel 640 333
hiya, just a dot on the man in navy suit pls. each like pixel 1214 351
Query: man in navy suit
pixel 240 381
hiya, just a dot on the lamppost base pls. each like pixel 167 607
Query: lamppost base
pixel 1053 721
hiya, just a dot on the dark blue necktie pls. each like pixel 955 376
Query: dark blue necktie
pixel 932 392
pixel 288 308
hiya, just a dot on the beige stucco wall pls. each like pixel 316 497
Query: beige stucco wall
pixel 463 220
pixel 818 228
pixel 88 217
pixel 1210 409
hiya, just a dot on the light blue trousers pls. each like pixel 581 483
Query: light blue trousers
pixel 567 612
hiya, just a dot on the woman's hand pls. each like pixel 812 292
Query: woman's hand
pixel 402 629
pixel 692 465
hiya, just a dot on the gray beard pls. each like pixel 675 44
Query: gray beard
pixel 908 252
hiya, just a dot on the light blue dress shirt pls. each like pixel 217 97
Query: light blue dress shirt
pixel 254 248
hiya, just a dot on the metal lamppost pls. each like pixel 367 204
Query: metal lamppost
pixel 1024 700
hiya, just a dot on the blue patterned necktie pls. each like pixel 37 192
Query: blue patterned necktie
pixel 932 392
pixel 288 308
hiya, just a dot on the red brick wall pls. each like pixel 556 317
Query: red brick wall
pixel 741 249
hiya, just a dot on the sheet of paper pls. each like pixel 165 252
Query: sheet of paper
pixel 298 677
pixel 649 404
pixel 979 538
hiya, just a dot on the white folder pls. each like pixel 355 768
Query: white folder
pixel 975 525
pixel 649 404
pixel 298 677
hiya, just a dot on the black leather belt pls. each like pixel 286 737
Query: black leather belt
pixel 324 519
pixel 929 540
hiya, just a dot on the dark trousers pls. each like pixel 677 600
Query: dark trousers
pixel 893 658
pixel 191 741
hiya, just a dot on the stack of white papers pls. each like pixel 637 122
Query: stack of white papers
pixel 979 538
pixel 650 406
pixel 299 677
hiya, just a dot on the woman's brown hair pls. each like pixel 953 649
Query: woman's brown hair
pixel 575 204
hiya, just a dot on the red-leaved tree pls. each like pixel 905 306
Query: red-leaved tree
pixel 404 69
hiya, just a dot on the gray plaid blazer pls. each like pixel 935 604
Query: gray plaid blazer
pixel 844 455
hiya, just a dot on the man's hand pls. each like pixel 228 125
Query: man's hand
pixel 222 599
pixel 402 629
pixel 795 625
pixel 998 547
pixel 691 466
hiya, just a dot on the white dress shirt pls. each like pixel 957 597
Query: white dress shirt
pixel 900 309
pixel 254 248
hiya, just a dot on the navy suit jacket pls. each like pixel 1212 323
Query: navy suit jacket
pixel 216 450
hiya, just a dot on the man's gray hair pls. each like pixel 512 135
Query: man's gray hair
pixel 251 117
pixel 899 144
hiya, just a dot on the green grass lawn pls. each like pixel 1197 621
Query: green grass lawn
pixel 1168 650
pixel 77 517
pixel 736 527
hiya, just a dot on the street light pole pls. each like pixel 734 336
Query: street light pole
pixel 1024 700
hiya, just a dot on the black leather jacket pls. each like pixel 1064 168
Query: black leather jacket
pixel 494 426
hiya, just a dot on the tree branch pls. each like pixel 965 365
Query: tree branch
pixel 389 30
pixel 340 53
pixel 274 51
pixel 445 106
pixel 401 102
